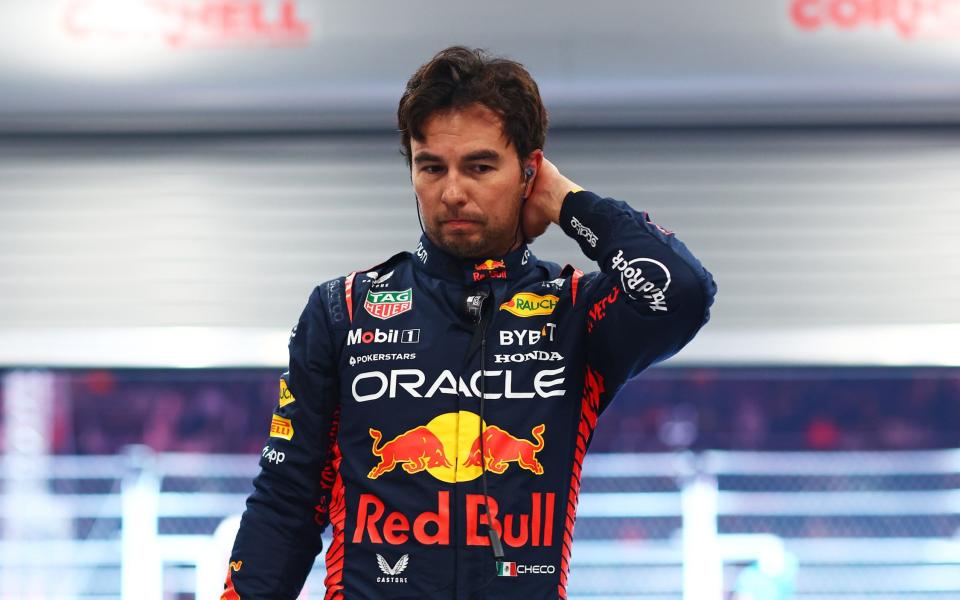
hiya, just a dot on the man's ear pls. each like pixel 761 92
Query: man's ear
pixel 529 169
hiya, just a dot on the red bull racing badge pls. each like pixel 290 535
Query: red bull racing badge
pixel 490 269
pixel 388 304
pixel 449 449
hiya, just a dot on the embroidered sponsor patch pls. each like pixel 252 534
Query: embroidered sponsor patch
pixel 584 232
pixel 281 428
pixel 335 301
pixel 388 304
pixel 286 396
pixel 490 269
pixel 643 278
pixel 526 304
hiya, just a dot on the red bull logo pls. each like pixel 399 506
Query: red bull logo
pixel 417 450
pixel 501 448
pixel 377 524
pixel 490 265
pixel 490 269
pixel 449 449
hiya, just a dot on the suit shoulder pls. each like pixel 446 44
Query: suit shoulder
pixel 339 296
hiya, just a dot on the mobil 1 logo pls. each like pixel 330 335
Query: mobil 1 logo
pixel 383 336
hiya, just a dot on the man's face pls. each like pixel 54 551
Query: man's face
pixel 466 175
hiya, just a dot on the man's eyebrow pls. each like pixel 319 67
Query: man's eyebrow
pixel 423 156
pixel 482 155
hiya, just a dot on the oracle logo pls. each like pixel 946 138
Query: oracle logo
pixel 373 385
pixel 180 23
pixel 908 19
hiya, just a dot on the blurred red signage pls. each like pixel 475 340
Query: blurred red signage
pixel 908 19
pixel 183 23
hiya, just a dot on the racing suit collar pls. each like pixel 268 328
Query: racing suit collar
pixel 437 263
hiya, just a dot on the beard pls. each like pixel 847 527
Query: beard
pixel 484 242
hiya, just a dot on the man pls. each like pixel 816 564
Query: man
pixel 438 406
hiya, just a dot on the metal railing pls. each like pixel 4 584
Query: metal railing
pixel 652 526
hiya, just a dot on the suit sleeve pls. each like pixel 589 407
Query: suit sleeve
pixel 279 535
pixel 650 297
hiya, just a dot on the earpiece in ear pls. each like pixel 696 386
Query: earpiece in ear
pixel 528 174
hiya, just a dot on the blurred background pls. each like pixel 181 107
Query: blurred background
pixel 177 175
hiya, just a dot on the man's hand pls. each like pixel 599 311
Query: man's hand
pixel 542 207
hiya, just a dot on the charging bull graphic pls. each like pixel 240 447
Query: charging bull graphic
pixel 501 448
pixel 417 450
pixel 490 269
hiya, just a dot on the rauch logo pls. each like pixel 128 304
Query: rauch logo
pixel 526 304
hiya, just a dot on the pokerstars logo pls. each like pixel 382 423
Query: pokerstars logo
pixel 635 278
pixel 383 336
pixel 380 357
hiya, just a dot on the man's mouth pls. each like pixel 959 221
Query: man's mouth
pixel 460 223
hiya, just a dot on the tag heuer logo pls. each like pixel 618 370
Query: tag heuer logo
pixel 384 305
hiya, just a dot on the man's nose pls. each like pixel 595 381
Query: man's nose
pixel 454 192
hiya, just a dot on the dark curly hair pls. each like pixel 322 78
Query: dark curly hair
pixel 458 77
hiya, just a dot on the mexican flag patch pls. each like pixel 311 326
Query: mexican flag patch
pixel 384 305
pixel 506 569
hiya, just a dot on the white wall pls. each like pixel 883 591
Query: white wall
pixel 818 239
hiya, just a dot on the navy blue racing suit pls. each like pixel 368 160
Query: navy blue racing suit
pixel 377 432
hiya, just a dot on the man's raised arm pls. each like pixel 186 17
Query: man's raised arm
pixel 651 295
